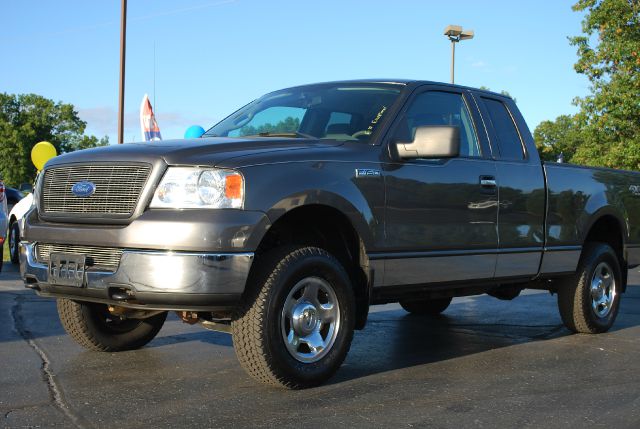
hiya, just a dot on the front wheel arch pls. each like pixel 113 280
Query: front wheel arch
pixel 330 229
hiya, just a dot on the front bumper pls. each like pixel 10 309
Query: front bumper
pixel 161 280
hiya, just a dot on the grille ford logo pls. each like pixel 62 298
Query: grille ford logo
pixel 83 189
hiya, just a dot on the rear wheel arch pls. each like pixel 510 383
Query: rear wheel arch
pixel 609 229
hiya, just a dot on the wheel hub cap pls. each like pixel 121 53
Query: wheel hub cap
pixel 310 319
pixel 304 318
pixel 603 290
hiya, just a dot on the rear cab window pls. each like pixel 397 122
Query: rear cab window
pixel 506 134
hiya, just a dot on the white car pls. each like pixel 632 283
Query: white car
pixel 15 226
pixel 3 221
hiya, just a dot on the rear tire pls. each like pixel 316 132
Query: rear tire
pixel 589 300
pixel 296 323
pixel 91 326
pixel 423 307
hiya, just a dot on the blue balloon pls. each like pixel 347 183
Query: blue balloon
pixel 193 132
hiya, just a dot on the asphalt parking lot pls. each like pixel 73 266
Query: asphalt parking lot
pixel 485 363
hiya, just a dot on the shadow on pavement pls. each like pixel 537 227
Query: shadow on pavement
pixel 393 339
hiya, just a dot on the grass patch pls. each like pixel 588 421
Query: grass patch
pixel 5 254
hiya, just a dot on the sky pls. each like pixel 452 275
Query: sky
pixel 200 60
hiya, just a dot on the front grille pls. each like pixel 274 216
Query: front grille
pixel 104 258
pixel 117 189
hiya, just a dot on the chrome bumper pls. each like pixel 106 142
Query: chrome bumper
pixel 152 278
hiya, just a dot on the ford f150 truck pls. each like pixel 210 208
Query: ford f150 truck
pixel 288 219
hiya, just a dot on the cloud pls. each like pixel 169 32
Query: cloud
pixel 178 119
pixel 479 65
pixel 103 120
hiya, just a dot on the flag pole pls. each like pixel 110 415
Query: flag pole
pixel 123 43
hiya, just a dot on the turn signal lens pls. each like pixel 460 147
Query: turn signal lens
pixel 233 187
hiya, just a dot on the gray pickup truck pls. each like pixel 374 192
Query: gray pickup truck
pixel 288 219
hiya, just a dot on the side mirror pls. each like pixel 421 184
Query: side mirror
pixel 438 141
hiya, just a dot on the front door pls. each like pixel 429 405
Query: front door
pixel 441 214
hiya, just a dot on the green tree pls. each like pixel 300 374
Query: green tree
pixel 87 142
pixel 609 56
pixel 561 136
pixel 503 92
pixel 287 125
pixel 27 119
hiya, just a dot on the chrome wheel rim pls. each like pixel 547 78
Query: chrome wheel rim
pixel 310 319
pixel 603 290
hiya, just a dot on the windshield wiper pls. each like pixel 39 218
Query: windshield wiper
pixel 293 134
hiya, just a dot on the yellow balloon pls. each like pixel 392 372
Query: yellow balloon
pixel 41 153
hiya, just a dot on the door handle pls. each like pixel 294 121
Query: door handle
pixel 488 181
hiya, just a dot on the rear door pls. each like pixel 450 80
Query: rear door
pixel 521 191
pixel 441 214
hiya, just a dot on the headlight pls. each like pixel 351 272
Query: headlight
pixel 188 187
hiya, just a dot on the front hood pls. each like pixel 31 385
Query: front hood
pixel 202 151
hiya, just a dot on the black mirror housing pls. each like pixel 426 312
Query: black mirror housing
pixel 432 141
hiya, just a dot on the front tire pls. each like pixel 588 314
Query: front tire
pixel 589 300
pixel 296 324
pixel 94 328
pixel 429 307
pixel 14 242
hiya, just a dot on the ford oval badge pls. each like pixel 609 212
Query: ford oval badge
pixel 83 189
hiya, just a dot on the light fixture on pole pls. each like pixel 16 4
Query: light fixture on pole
pixel 455 33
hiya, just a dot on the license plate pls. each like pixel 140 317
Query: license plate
pixel 67 269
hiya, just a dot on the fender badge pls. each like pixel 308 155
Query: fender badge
pixel 367 172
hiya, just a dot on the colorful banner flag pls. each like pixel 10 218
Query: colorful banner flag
pixel 148 124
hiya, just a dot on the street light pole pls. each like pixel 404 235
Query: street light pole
pixel 455 33
pixel 123 46
pixel 453 60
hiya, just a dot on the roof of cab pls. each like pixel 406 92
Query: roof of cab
pixel 403 82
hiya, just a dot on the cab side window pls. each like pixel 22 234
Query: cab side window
pixel 506 132
pixel 440 108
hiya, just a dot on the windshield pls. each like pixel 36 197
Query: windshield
pixel 338 112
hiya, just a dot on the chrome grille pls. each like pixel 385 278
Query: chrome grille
pixel 106 258
pixel 117 189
